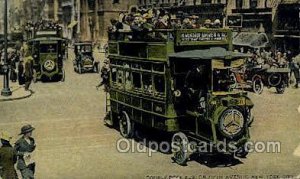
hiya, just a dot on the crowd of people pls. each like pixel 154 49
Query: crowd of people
pixel 20 63
pixel 142 20
pixel 267 59
pixel 41 25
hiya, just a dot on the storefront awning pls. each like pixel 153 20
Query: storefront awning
pixel 72 24
pixel 250 39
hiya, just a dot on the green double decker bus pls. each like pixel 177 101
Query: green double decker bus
pixel 178 81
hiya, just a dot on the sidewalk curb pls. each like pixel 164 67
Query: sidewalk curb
pixel 18 98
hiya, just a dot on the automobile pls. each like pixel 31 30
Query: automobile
pixel 180 86
pixel 255 77
pixel 84 60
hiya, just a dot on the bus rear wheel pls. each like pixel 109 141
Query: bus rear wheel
pixel 126 125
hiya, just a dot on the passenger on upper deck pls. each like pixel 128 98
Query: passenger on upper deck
pixel 142 21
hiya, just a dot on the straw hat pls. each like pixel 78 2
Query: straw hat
pixel 147 16
pixel 106 61
pixel 137 15
pixel 207 21
pixel 173 17
pixel 5 136
pixel 194 17
pixel 217 22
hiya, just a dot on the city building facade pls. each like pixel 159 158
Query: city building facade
pixel 287 26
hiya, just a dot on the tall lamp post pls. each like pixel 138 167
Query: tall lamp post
pixel 6 90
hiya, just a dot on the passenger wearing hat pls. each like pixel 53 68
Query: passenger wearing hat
pixel 207 23
pixel 217 23
pixel 8 158
pixel 175 22
pixel 24 147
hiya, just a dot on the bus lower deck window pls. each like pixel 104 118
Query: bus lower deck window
pixel 136 80
pixel 147 83
pixel 159 83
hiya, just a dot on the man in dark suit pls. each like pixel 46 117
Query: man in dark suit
pixel 8 158
pixel 21 77
pixel 28 72
pixel 24 147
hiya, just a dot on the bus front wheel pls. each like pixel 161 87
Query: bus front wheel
pixel 180 148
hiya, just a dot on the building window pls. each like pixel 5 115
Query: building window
pixel 116 1
pixel 253 3
pixel 239 4
pixel 159 83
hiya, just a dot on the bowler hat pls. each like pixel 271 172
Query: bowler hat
pixel 5 136
pixel 26 129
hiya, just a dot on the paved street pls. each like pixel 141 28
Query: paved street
pixel 72 141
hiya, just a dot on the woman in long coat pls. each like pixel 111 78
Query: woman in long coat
pixel 8 158
pixel 24 147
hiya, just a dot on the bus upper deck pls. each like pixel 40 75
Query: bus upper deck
pixel 158 44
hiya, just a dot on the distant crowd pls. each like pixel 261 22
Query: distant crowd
pixel 41 25
pixel 266 59
pixel 20 63
pixel 278 59
pixel 142 20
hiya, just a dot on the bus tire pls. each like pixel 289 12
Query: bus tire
pixel 126 125
pixel 181 154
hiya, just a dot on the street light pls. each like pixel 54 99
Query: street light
pixel 6 90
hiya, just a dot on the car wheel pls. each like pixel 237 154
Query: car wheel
pixel 257 85
pixel 274 79
pixel 126 126
pixel 180 148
